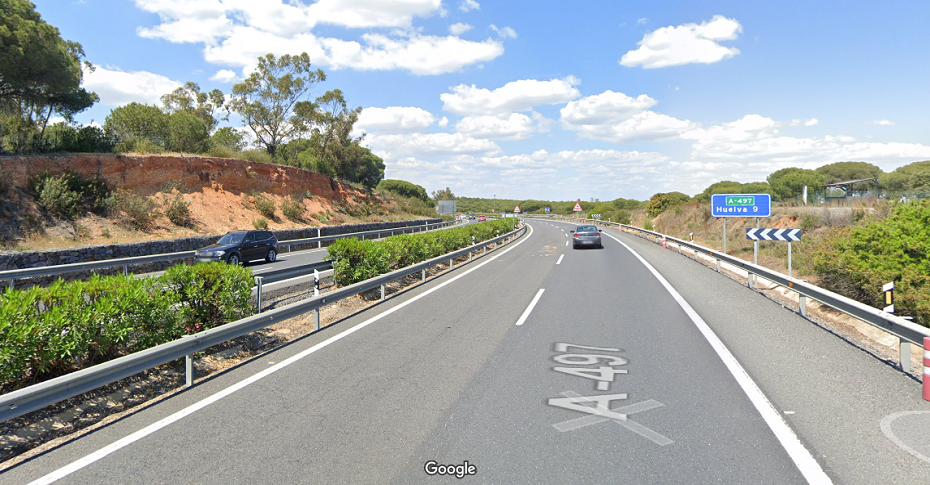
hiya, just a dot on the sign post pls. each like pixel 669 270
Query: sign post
pixel 789 235
pixel 739 205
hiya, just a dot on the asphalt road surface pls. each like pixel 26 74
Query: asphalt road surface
pixel 534 364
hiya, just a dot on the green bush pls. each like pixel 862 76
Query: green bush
pixel 140 211
pixel 293 209
pixel 260 223
pixel 138 145
pixel 209 294
pixel 49 331
pixel 264 206
pixel 177 210
pixel 59 200
pixel 856 261
pixel 70 195
pixel 355 260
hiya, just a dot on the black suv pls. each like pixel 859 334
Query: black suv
pixel 240 246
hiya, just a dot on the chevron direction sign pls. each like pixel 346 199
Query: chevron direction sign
pixel 762 234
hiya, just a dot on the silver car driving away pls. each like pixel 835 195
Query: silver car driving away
pixel 586 235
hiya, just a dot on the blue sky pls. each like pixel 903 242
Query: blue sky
pixel 553 100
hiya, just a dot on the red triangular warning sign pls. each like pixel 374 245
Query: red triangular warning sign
pixel 516 209
pixel 578 206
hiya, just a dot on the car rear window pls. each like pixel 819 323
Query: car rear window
pixel 586 229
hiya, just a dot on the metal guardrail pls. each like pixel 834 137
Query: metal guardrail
pixel 39 395
pixel 12 275
pixel 907 332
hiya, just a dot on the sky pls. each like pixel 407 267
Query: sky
pixel 553 100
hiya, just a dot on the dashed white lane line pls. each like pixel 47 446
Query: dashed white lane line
pixel 529 309
pixel 566 243
pixel 164 422
pixel 560 259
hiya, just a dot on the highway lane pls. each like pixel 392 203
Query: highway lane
pixel 450 377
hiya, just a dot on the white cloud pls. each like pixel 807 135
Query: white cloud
pixel 395 119
pixel 429 145
pixel 807 122
pixel 617 117
pixel 466 5
pixel 224 76
pixel 459 28
pixel 883 123
pixel 444 122
pixel 419 54
pixel 515 126
pixel 685 44
pixel 603 108
pixel 514 96
pixel 641 21
pixel 753 141
pixel 117 88
pixel 236 32
pixel 504 32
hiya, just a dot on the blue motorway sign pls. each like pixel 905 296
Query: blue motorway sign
pixel 548 209
pixel 741 205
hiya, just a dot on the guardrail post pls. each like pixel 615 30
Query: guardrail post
pixel 319 244
pixel 450 264
pixel 717 261
pixel 382 292
pixel 802 305
pixel 423 276
pixel 258 291
pixel 188 370
pixel 316 319
pixel 926 379
pixel 904 351
pixel 125 269
pixel 12 284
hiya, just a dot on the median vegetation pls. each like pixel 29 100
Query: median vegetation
pixel 355 260
pixel 50 331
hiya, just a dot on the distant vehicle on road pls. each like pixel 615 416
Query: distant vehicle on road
pixel 586 235
pixel 240 247
pixel 482 218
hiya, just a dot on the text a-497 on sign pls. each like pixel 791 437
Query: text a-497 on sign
pixel 603 375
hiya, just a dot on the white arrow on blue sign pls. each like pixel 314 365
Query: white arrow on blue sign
pixel 762 234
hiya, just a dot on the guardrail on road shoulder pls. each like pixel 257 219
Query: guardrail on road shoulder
pixel 37 396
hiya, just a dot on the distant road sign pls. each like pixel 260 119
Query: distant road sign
pixel 741 205
pixel 516 209
pixel 548 209
pixel 577 207
pixel 761 234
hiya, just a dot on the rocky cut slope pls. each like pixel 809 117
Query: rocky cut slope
pixel 220 194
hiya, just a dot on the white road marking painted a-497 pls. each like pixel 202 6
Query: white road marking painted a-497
pixel 601 410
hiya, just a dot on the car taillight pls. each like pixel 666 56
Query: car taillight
pixel 576 234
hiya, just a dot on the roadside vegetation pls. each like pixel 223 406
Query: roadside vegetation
pixel 50 331
pixel 355 260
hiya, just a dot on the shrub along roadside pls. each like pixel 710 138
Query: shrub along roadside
pixel 69 325
pixel 355 260
pixel 856 261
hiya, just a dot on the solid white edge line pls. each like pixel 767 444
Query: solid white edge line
pixel 810 469
pixel 560 259
pixel 142 433
pixel 529 309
